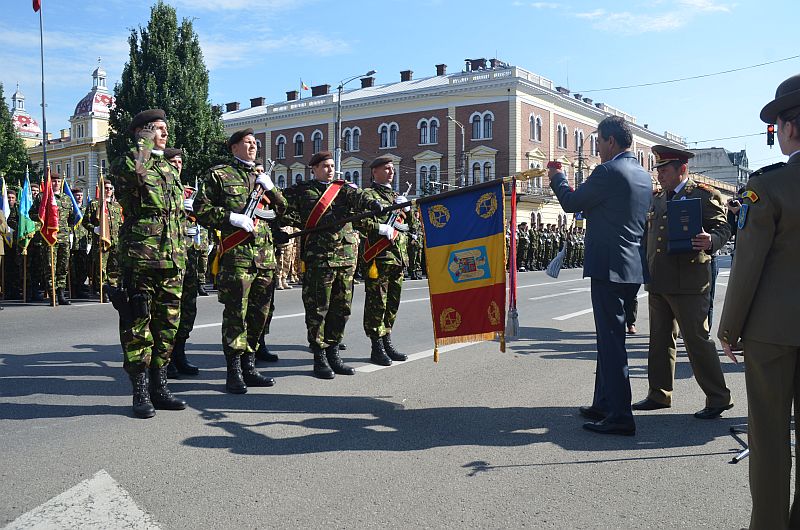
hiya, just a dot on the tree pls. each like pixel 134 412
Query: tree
pixel 166 70
pixel 13 155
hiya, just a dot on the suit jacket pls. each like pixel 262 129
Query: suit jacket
pixel 614 200
pixel 688 273
pixel 761 301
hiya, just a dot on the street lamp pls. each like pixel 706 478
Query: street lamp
pixel 463 173
pixel 337 158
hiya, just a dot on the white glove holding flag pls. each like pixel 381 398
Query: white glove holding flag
pixel 265 181
pixel 402 199
pixel 188 205
pixel 239 220
pixel 387 231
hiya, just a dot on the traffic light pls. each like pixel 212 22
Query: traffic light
pixel 770 134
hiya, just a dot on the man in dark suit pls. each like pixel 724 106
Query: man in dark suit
pixel 614 200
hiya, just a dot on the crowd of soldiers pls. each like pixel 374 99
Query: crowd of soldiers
pixel 538 245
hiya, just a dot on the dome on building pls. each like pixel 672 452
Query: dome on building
pixel 99 100
pixel 25 124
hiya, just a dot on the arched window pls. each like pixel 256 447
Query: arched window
pixel 298 178
pixel 651 161
pixel 423 132
pixel 433 135
pixel 532 125
pixel 423 176
pixel 476 173
pixel 347 144
pixel 476 127
pixel 356 178
pixel 258 148
pixel 347 175
pixel 356 139
pixel 487 126
pixel 564 133
pixel 559 136
pixel 393 130
pixel 281 181
pixel 577 143
pixel 640 156
pixel 434 174
pixel 316 142
pixel 298 144
pixel 384 134
pixel 281 147
pixel 538 131
pixel 487 171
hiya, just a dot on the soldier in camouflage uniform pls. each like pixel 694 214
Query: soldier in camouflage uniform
pixel 247 269
pixel 415 240
pixel 152 257
pixel 329 258
pixel 522 246
pixel 180 364
pixel 111 259
pixel 79 259
pixel 383 291
pixel 38 253
pixel 13 259
pixel 533 247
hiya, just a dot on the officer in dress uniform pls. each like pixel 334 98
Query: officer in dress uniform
pixel 678 287
pixel 760 312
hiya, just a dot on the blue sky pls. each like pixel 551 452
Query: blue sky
pixel 264 47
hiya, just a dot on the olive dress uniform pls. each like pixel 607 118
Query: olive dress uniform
pixel 761 310
pixel 678 287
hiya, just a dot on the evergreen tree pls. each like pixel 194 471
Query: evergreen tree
pixel 166 70
pixel 13 155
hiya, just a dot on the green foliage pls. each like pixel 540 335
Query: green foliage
pixel 166 70
pixel 13 155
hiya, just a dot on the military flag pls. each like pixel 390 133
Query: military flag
pixel 102 212
pixel 5 206
pixel 26 227
pixel 77 215
pixel 465 252
pixel 48 211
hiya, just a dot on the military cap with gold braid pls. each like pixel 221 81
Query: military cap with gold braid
pixel 665 155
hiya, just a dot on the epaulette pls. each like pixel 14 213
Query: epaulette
pixel 219 166
pixel 766 169
pixel 704 186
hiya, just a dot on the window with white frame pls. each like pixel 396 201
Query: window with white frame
pixel 356 178
pixel 476 126
pixel 476 173
pixel 560 135
pixel 640 157
pixel 433 175
pixel 281 181
pixel 488 120
pixel 383 132
pixel 316 142
pixel 593 145
pixel 347 136
pixel 281 143
pixel 356 139
pixel 347 175
pixel 258 148
pixel 433 131
pixel 482 125
pixel 423 176
pixel 423 132
pixel 393 130
pixel 298 178
pixel 80 169
pixel 651 161
pixel 487 171
pixel 68 170
pixel 298 144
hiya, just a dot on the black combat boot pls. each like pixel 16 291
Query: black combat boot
pixel 342 346
pixel 332 354
pixel 234 384
pixel 263 353
pixel 378 355
pixel 322 369
pixel 250 375
pixel 172 372
pixel 60 298
pixel 390 349
pixel 142 407
pixel 182 365
pixel 160 395
pixel 201 290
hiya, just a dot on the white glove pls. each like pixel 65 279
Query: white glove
pixel 387 230
pixel 97 230
pixel 188 205
pixel 265 181
pixel 402 199
pixel 240 220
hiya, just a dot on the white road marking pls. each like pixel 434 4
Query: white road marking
pixel 587 311
pixel 724 273
pixel 367 368
pixel 565 293
pixel 99 502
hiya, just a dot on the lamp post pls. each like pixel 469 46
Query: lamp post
pixel 337 157
pixel 463 172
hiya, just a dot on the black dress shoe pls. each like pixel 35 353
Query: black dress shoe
pixel 592 413
pixel 709 413
pixel 649 404
pixel 607 427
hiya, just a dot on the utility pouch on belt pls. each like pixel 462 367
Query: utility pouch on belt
pixel 140 305
pixel 119 299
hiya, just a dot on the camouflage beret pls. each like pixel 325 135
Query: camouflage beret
pixel 380 161
pixel 172 152
pixel 145 117
pixel 238 136
pixel 320 157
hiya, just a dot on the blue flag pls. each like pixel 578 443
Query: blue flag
pixel 77 216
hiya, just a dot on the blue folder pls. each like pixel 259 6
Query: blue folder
pixel 684 221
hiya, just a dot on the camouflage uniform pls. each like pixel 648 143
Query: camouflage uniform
pixel 13 260
pixel 111 265
pixel 329 258
pixel 192 239
pixel 415 239
pixel 152 255
pixel 383 293
pixel 246 271
pixel 522 246
pixel 79 258
pixel 61 248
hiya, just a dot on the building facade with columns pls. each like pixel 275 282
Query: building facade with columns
pixel 78 153
pixel 506 118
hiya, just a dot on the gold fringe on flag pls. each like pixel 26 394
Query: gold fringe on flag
pixel 478 337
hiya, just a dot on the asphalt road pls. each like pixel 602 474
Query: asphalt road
pixel 481 439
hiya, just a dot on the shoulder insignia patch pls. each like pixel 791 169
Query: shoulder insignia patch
pixel 704 186
pixel 743 216
pixel 766 169
pixel 750 194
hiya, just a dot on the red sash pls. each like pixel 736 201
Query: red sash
pixel 240 236
pixel 324 203
pixel 373 251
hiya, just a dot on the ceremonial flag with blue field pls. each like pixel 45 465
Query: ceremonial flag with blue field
pixel 77 215
pixel 465 253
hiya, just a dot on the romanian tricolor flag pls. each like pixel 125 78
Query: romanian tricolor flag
pixel 465 253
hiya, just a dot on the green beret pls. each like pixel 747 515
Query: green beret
pixel 172 152
pixel 145 117
pixel 380 161
pixel 238 135
pixel 322 156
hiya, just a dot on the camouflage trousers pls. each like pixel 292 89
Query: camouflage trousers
pixel 79 263
pixel 327 296
pixel 148 339
pixel 110 266
pixel 414 257
pixel 286 271
pixel 382 299
pixel 191 283
pixel 60 259
pixel 246 293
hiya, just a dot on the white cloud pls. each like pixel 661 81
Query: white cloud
pixel 545 5
pixel 238 5
pixel 631 24
pixel 706 5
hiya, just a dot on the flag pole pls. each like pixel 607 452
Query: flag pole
pixel 25 276
pixel 44 116
pixel 53 275
pixel 101 215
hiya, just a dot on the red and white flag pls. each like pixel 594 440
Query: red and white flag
pixel 37 5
